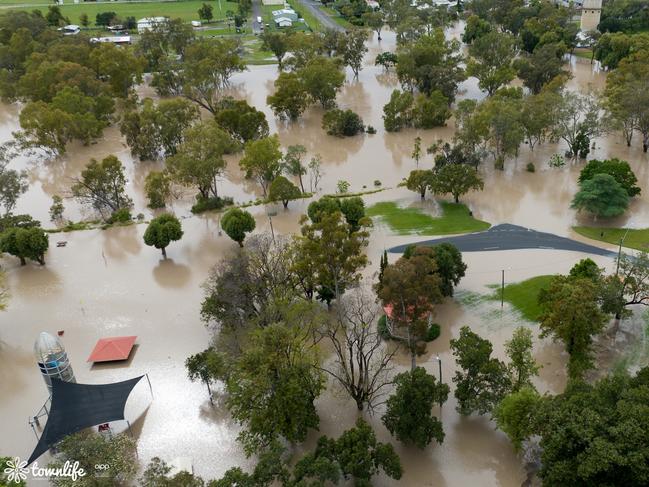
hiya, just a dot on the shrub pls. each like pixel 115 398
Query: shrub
pixel 342 123
pixel 370 130
pixel 342 187
pixel 530 167
pixel 377 183
pixel 433 332
pixel 382 328
pixel 207 204
pixel 122 215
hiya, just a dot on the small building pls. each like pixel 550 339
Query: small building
pixel 196 23
pixel 272 2
pixel 283 22
pixel 591 12
pixel 373 4
pixel 112 39
pixel 286 13
pixel 149 23
pixel 70 30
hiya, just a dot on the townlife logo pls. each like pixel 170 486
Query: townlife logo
pixel 17 471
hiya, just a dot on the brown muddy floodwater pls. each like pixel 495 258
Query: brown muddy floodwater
pixel 107 283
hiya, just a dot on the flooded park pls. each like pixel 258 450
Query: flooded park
pixel 108 283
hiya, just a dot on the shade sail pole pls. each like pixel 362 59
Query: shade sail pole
pixel 149 381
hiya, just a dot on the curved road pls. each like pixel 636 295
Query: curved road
pixel 511 237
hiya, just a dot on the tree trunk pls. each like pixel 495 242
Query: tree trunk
pixel 41 260
pixel 423 193
pixel 209 390
pixel 359 404
pixel 285 203
pixel 457 198
pixel 22 261
pixel 240 243
pixel 645 142
pixel 164 252
pixel 301 183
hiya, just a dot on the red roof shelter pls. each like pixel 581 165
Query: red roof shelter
pixel 112 349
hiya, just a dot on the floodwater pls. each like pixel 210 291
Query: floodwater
pixel 107 283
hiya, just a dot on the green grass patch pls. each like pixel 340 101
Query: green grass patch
pixel 186 10
pixel 583 53
pixel 635 239
pixel 523 295
pixel 359 193
pixel 306 14
pixel 336 17
pixel 455 218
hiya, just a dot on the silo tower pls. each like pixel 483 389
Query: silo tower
pixel 52 360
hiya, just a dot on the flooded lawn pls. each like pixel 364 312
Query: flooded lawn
pixel 107 283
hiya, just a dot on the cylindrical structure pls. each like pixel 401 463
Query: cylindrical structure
pixel 52 360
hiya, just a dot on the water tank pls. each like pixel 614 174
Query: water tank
pixel 52 360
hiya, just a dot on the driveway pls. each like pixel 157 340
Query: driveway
pixel 511 237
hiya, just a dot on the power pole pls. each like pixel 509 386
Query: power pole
pixel 502 289
pixel 619 252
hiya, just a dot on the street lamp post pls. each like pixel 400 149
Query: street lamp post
pixel 439 362
pixel 270 215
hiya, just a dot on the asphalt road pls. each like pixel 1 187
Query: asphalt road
pixel 511 237
pixel 256 12
pixel 322 17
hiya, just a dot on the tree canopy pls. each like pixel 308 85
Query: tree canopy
pixel 161 231
pixel 602 196
pixel 236 223
pixel 408 414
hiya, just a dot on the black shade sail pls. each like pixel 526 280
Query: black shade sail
pixel 78 406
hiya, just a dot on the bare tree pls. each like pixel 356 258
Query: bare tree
pixel 362 364
pixel 245 287
pixel 315 172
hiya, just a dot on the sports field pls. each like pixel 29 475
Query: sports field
pixel 184 9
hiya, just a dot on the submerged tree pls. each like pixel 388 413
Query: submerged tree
pixel 482 380
pixel 236 223
pixel 334 252
pixel 207 366
pixel 408 414
pixel 571 314
pixel 102 185
pixel 199 161
pixel 25 243
pixel 262 161
pixel 361 364
pixel 273 385
pixel 356 454
pixel 602 196
pixel 281 189
pixel 161 231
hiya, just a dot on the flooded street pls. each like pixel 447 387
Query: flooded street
pixel 108 283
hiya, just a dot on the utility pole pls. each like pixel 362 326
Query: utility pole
pixel 502 289
pixel 439 362
pixel 619 252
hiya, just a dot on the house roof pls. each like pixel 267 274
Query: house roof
pixel 112 348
